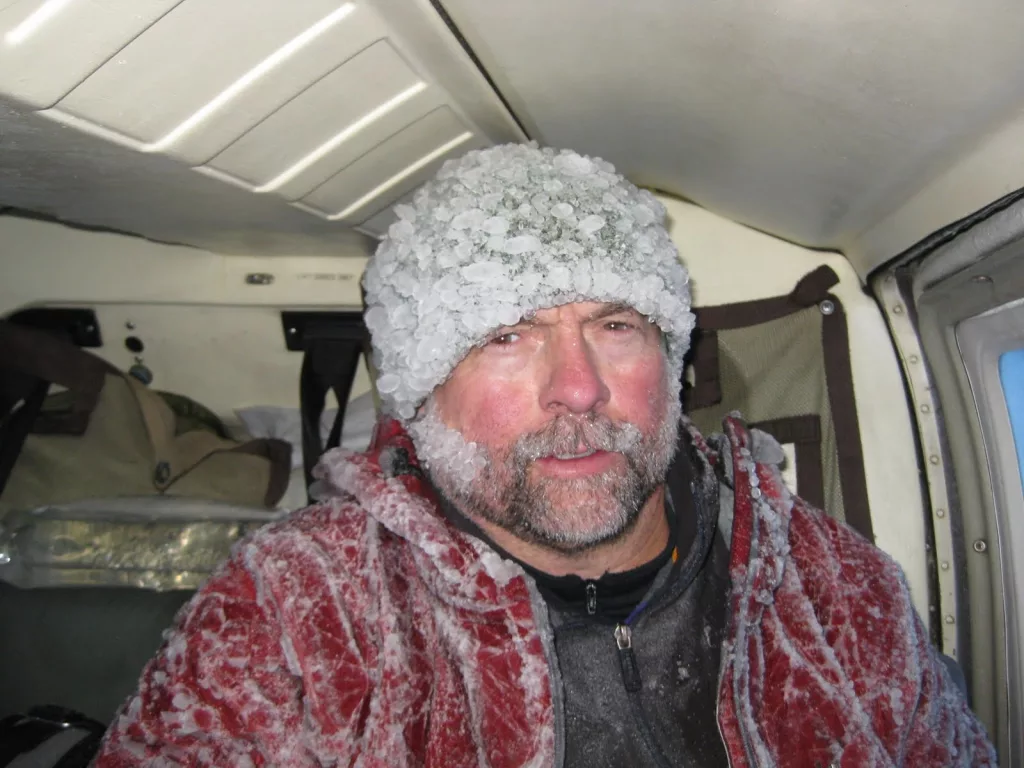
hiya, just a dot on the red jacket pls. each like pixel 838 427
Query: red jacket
pixel 369 631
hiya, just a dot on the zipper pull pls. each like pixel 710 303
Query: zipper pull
pixel 627 659
pixel 591 598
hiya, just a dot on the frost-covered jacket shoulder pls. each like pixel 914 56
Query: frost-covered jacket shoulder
pixel 826 662
pixel 365 630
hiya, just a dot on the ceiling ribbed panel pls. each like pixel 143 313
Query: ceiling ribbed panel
pixel 82 34
pixel 392 168
pixel 379 86
pixel 317 103
pixel 239 67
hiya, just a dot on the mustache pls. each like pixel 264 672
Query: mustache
pixel 570 434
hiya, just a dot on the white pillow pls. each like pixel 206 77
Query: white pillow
pixel 286 424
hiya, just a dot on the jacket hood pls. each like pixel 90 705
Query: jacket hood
pixel 388 483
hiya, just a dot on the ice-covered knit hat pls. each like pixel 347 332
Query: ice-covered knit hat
pixel 503 232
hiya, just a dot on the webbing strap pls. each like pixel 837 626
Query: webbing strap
pixel 15 427
pixel 31 360
pixel 332 350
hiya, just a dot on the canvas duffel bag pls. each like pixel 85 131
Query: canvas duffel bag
pixel 105 434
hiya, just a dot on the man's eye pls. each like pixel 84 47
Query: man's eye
pixel 619 325
pixel 504 339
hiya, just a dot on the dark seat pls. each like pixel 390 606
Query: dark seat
pixel 82 648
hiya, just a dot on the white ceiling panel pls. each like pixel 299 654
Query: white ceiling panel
pixel 80 178
pixel 85 34
pixel 212 62
pixel 286 146
pixel 392 168
pixel 310 116
pixel 353 141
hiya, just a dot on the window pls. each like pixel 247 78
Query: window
pixel 1011 375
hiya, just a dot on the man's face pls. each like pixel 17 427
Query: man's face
pixel 572 413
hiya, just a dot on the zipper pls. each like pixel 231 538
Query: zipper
pixel 634 684
pixel 627 659
pixel 591 598
pixel 721 734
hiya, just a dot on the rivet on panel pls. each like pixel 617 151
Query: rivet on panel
pixel 940 512
pixel 827 307
pixel 950 619
pixel 934 459
pixel 897 309
pixel 914 359
pixel 981 279
pixel 980 546
pixel 944 566
pixel 129 325
pixel 926 408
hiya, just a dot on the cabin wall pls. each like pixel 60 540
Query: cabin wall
pixel 214 337
pixel 208 333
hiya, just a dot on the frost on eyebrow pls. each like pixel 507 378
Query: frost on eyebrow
pixel 611 310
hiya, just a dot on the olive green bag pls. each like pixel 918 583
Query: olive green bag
pixel 106 435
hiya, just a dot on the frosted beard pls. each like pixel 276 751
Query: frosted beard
pixel 566 515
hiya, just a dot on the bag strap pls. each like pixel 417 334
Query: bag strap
pixel 810 290
pixel 278 454
pixel 332 347
pixel 29 354
pixel 30 361
pixel 23 738
pixel 14 429
pixel 804 434
pixel 835 340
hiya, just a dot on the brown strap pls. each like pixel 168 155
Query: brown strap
pixel 707 385
pixel 835 341
pixel 279 454
pixel 43 356
pixel 812 288
pixel 804 433
pixel 160 427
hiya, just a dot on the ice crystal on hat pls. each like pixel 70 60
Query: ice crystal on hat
pixel 501 233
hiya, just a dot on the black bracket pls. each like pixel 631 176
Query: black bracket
pixel 79 326
pixel 300 328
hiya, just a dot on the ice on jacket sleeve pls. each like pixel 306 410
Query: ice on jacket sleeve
pixel 827 661
pixel 221 690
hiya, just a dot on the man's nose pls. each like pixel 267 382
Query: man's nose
pixel 575 384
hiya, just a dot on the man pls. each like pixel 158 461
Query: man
pixel 539 561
